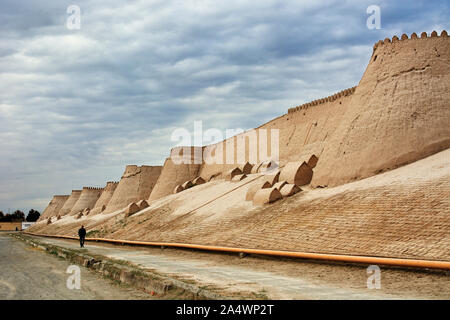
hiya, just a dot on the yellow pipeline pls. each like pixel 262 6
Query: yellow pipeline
pixel 432 264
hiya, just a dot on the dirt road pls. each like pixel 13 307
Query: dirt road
pixel 28 273
pixel 273 278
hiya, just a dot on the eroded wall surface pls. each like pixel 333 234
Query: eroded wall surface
pixel 399 113
pixel 105 197
pixel 174 173
pixel 68 205
pixel 403 213
pixel 54 206
pixel 136 184
pixel 87 199
pixel 302 131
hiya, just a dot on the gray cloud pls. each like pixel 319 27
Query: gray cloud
pixel 76 106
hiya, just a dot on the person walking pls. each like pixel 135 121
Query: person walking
pixel 82 235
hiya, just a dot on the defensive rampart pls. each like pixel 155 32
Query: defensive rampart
pixel 105 197
pixel 136 184
pixel 399 113
pixel 182 166
pixel 87 199
pixel 68 205
pixel 54 207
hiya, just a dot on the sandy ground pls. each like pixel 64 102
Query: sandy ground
pixel 275 278
pixel 29 273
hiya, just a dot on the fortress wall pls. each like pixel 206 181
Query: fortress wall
pixel 68 205
pixel 136 184
pixel 148 179
pixel 87 199
pixel 60 201
pixel 302 131
pixel 173 174
pixel 105 197
pixel 399 113
pixel 54 206
pixel 305 130
pixel 48 209
pixel 402 213
pixel 403 94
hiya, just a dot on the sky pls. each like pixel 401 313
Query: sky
pixel 77 105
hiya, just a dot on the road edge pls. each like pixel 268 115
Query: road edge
pixel 125 273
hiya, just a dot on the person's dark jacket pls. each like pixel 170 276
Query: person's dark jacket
pixel 82 232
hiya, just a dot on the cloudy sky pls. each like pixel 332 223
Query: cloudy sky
pixel 76 106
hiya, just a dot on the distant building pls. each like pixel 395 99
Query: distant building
pixel 11 226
